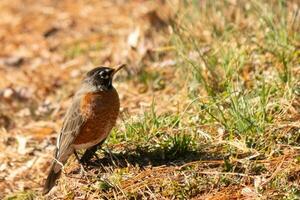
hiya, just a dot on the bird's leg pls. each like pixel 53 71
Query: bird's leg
pixel 90 152
pixel 77 157
pixel 112 156
pixel 82 170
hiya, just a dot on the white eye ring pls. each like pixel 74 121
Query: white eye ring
pixel 101 73
pixel 104 75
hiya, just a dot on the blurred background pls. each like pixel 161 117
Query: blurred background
pixel 210 100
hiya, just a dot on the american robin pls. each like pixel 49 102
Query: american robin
pixel 88 121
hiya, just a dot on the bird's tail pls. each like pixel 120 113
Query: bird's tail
pixel 52 177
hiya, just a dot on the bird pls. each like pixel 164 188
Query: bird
pixel 87 122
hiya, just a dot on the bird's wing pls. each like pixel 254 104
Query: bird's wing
pixel 71 127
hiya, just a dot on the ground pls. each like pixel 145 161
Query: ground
pixel 210 98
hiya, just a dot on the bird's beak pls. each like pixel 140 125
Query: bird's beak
pixel 118 68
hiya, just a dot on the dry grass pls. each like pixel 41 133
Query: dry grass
pixel 210 100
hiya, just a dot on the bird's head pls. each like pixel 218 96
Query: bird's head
pixel 101 77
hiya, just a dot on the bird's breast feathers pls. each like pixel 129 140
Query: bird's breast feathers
pixel 100 111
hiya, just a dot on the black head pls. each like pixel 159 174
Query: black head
pixel 101 77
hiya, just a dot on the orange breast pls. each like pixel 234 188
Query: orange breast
pixel 101 110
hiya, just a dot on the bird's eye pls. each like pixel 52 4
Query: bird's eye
pixel 103 75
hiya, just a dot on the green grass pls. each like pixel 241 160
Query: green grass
pixel 243 78
pixel 153 136
pixel 242 110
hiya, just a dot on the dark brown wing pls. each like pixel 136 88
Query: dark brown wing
pixel 70 129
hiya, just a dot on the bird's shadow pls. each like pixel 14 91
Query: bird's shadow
pixel 143 157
